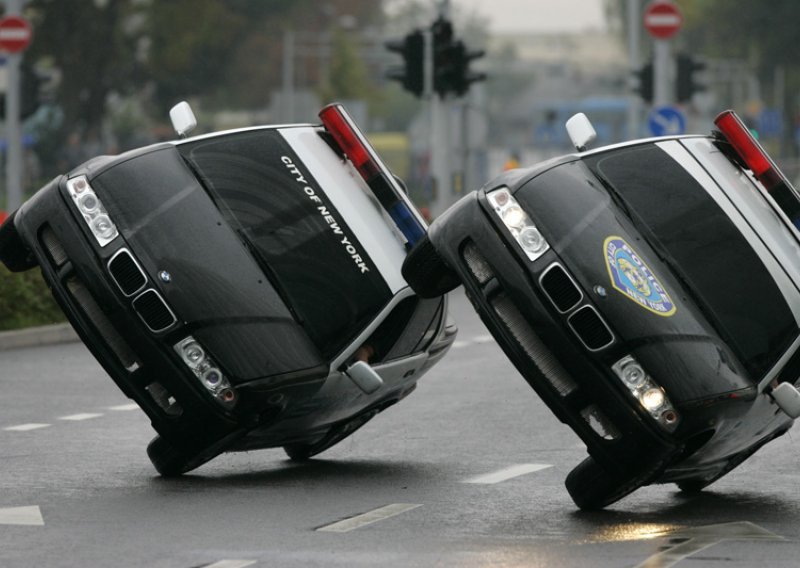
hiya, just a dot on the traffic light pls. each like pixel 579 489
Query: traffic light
pixel 645 82
pixel 30 97
pixel 412 74
pixel 451 60
pixel 686 83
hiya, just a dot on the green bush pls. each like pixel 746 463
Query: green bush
pixel 25 300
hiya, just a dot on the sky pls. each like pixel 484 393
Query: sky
pixel 536 15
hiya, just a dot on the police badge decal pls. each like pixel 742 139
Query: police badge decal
pixel 633 278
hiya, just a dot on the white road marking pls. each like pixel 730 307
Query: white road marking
pixel 31 516
pixel 508 473
pixel 231 564
pixel 26 427
pixel 460 344
pixel 82 416
pixel 123 407
pixel 483 339
pixel 368 518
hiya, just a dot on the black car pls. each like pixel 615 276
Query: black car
pixel 243 287
pixel 649 292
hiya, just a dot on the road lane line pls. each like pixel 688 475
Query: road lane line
pixel 30 516
pixel 231 564
pixel 369 517
pixel 508 473
pixel 460 344
pixel 483 339
pixel 124 407
pixel 82 416
pixel 26 427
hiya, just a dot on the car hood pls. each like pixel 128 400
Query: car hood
pixel 202 268
pixel 655 320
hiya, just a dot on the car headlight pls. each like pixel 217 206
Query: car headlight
pixel 645 390
pixel 527 235
pixel 91 209
pixel 204 368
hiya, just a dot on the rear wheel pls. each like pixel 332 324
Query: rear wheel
pixel 14 253
pixel 170 461
pixel 426 272
pixel 302 452
pixel 593 487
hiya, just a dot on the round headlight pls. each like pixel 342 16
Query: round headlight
pixel 88 203
pixel 103 227
pixel 193 353
pixel 633 375
pixel 532 240
pixel 653 399
pixel 212 377
pixel 514 216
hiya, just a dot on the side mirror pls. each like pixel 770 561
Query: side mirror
pixel 183 119
pixel 787 398
pixel 580 131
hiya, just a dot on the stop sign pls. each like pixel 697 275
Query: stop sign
pixel 662 19
pixel 15 34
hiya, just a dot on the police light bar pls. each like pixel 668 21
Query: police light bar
pixel 384 186
pixel 758 161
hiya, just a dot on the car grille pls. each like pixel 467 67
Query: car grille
pixel 532 346
pixel 126 272
pixel 154 311
pixel 104 327
pixel 590 328
pixel 560 288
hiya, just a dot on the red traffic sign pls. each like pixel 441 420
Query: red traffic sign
pixel 15 34
pixel 662 19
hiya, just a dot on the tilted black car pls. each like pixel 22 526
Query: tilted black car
pixel 243 287
pixel 649 292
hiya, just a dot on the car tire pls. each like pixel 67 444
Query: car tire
pixel 14 253
pixel 301 452
pixel 168 460
pixel 593 487
pixel 426 272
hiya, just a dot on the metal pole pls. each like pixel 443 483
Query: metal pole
pixel 440 150
pixel 13 127
pixel 634 44
pixel 287 105
pixel 662 73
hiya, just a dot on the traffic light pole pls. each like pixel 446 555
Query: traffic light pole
pixel 13 127
pixel 440 128
pixel 663 87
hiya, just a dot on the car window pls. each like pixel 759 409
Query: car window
pixel 727 279
pixel 298 237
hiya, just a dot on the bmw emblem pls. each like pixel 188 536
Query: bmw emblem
pixel 165 276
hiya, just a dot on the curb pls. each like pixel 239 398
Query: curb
pixel 37 336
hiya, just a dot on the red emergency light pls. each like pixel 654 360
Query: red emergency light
pixel 384 186
pixel 754 156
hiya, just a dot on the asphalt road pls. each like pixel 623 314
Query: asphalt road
pixel 468 471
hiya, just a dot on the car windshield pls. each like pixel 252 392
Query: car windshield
pixel 299 239
pixel 683 223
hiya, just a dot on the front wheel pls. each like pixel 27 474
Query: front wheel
pixel 426 272
pixel 593 487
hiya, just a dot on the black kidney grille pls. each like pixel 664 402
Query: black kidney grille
pixel 126 273
pixel 560 288
pixel 154 311
pixel 590 328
